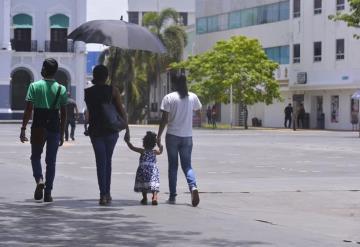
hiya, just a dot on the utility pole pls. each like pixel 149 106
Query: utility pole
pixel 231 106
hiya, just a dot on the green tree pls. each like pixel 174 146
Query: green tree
pixel 352 18
pixel 240 63
pixel 127 73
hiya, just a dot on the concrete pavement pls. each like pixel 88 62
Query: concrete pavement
pixel 259 188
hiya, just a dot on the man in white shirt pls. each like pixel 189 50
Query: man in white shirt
pixel 177 112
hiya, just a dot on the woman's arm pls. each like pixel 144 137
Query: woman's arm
pixel 119 107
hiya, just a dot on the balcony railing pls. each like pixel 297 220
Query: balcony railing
pixel 59 46
pixel 24 45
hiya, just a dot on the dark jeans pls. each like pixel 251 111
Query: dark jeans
pixel 287 123
pixel 70 122
pixel 103 148
pixel 52 145
pixel 179 146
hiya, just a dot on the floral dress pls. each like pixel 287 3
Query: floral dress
pixel 147 175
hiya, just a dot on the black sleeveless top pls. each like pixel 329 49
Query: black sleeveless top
pixel 94 97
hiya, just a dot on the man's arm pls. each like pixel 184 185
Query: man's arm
pixel 62 123
pixel 26 118
pixel 163 123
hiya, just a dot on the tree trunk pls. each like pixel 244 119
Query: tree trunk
pixel 246 117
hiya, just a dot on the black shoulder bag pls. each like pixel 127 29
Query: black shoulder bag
pixel 38 134
pixel 112 120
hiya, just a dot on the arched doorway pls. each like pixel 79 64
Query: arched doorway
pixel 63 77
pixel 20 81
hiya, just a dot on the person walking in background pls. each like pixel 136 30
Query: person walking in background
pixel 147 175
pixel 208 115
pixel 72 114
pixel 103 139
pixel 288 116
pixel 177 112
pixel 45 98
pixel 300 116
pixel 213 116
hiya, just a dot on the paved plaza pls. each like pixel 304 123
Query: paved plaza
pixel 258 188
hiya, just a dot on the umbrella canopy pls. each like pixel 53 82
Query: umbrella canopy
pixel 118 33
pixel 356 95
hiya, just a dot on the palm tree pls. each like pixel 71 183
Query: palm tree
pixel 134 71
pixel 165 25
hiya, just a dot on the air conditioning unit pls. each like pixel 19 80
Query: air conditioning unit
pixel 301 78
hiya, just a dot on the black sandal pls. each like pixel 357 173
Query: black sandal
pixel 143 201
pixel 154 202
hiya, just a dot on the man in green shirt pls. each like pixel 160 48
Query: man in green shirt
pixel 47 99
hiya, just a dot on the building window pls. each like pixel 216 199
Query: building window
pixel 317 51
pixel 296 53
pixel 213 24
pixel 201 25
pixel 334 109
pixel 278 54
pixel 245 17
pixel 340 49
pixel 317 7
pixel 134 17
pixel 223 22
pixel 22 25
pixel 234 19
pixel 284 10
pixel 59 24
pixel 297 7
pixel 183 18
pixel 340 5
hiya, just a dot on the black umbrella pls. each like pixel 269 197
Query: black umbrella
pixel 118 33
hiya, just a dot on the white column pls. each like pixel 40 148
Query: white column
pixel 5 21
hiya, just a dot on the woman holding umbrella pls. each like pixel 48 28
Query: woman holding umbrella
pixel 103 139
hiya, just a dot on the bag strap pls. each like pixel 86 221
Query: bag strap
pixel 56 97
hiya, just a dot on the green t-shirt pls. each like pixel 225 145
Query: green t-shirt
pixel 42 94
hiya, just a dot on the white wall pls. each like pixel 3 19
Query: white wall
pixel 158 5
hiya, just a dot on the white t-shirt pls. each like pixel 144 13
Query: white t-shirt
pixel 180 113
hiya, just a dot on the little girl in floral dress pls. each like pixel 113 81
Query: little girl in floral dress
pixel 147 175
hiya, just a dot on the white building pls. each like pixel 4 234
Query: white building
pixel 30 31
pixel 186 10
pixel 318 62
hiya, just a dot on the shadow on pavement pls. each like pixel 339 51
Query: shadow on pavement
pixel 69 222
pixel 226 243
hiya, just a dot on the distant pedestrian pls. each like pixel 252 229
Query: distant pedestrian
pixel 86 122
pixel 147 175
pixel 213 116
pixel 103 139
pixel 177 112
pixel 72 114
pixel 47 99
pixel 208 115
pixel 300 116
pixel 288 116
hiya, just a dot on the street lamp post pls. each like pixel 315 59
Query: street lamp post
pixel 231 106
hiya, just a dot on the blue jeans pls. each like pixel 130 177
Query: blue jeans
pixel 103 148
pixel 52 145
pixel 179 146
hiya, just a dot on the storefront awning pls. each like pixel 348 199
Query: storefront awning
pixel 22 21
pixel 59 21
